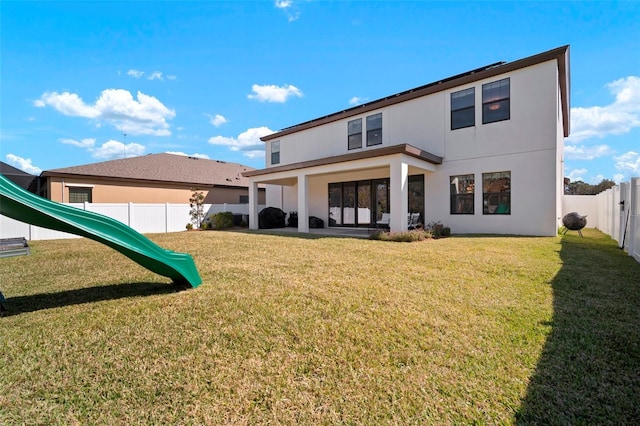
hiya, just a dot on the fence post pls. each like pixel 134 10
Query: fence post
pixel 634 219
pixel 623 208
pixel 166 218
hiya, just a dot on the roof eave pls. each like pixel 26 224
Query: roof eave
pixel 560 54
pixel 371 153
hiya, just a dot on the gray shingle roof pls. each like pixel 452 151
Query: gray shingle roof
pixel 163 168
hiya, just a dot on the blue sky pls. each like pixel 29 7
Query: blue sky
pixel 209 78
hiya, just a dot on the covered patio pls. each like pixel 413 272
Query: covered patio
pixel 395 162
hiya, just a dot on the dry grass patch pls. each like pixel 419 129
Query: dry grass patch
pixel 283 330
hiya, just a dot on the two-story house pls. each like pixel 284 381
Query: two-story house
pixel 481 152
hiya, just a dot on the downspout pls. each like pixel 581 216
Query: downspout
pixel 62 192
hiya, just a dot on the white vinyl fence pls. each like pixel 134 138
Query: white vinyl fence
pixel 616 212
pixel 144 218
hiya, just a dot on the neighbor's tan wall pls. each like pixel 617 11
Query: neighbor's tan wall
pixel 109 191
pixel 120 192
pixel 231 195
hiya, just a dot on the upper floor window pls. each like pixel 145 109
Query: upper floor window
pixel 462 190
pixel 275 152
pixel 495 101
pixel 374 129
pixel 463 111
pixel 496 193
pixel 355 133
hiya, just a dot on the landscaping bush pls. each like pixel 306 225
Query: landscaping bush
pixel 223 220
pixel 401 237
pixel 431 230
pixel 438 230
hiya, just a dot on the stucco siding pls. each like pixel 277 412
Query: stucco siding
pixel 533 206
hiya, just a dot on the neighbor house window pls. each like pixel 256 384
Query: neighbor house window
pixel 355 133
pixel 495 101
pixel 244 199
pixel 79 195
pixel 496 193
pixel 462 188
pixel 275 152
pixel 374 129
pixel 463 111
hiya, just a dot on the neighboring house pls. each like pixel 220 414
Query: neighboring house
pixel 153 178
pixel 20 178
pixel 481 152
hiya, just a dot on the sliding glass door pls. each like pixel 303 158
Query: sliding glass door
pixel 363 203
pixel 358 203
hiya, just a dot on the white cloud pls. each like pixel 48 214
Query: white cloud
pixel 87 143
pixel 115 149
pixel 628 162
pixel 144 116
pixel 273 93
pixel 288 7
pixel 203 156
pixel 357 100
pixel 619 117
pixel 217 120
pixel 577 174
pixel 156 75
pixel 108 150
pixel 23 164
pixel 171 77
pixel 617 178
pixel 135 73
pixel 248 142
pixel 68 104
pixel 575 152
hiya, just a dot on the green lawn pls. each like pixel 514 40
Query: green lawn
pixel 288 330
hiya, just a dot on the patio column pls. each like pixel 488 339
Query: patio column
pixel 399 188
pixel 303 203
pixel 253 205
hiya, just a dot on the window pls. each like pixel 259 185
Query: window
pixel 495 101
pixel 275 152
pixel 355 133
pixel 416 196
pixel 496 193
pixel 462 190
pixel 463 111
pixel 244 199
pixel 79 195
pixel 374 129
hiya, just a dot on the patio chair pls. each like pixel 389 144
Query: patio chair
pixel 384 221
pixel 413 220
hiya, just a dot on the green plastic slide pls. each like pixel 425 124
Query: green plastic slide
pixel 24 206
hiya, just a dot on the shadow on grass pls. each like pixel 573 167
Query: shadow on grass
pixel 36 302
pixel 589 370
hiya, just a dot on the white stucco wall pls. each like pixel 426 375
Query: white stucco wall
pixel 529 145
pixel 532 208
